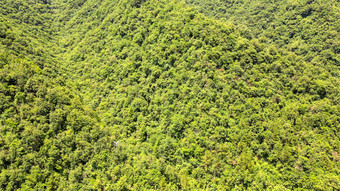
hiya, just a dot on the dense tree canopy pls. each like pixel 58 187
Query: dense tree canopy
pixel 309 28
pixel 153 95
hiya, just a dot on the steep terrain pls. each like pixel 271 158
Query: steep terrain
pixel 42 119
pixel 137 95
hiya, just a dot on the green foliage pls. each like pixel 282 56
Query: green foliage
pixel 309 28
pixel 153 95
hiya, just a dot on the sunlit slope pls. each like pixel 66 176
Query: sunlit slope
pixel 196 104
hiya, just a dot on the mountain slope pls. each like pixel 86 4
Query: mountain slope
pixel 198 98
pixel 153 95
pixel 41 118
pixel 309 28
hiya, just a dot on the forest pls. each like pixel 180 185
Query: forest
pixel 169 95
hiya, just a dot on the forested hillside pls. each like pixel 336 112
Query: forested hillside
pixel 42 119
pixel 309 28
pixel 153 95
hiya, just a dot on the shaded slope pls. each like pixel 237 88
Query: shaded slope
pixel 43 123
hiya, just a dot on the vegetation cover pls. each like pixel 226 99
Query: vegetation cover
pixel 309 28
pixel 153 95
